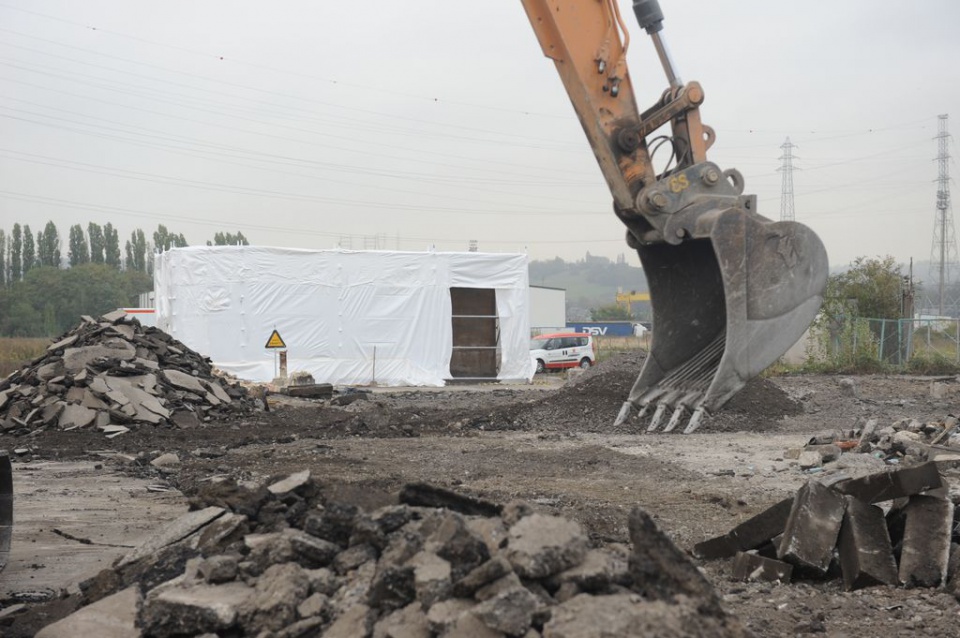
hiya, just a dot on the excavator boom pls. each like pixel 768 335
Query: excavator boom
pixel 731 290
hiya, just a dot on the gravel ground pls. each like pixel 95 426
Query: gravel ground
pixel 552 443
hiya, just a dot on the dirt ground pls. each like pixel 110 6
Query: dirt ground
pixel 83 499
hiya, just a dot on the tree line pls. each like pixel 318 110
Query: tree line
pixel 43 292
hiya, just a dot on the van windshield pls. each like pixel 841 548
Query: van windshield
pixel 538 344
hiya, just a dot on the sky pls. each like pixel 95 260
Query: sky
pixel 431 124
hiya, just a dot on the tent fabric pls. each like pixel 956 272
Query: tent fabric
pixel 346 317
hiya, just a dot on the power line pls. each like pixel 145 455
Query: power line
pixel 272 194
pixel 435 100
pixel 203 219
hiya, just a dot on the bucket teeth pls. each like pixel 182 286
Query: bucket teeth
pixel 675 419
pixel 657 416
pixel 694 420
pixel 626 411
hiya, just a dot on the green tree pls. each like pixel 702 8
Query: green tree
pixel 49 301
pixel 3 258
pixel 612 312
pixel 97 244
pixel 136 249
pixel 48 246
pixel 79 251
pixel 228 239
pixel 164 240
pixel 16 254
pixel 111 242
pixel 29 249
pixel 872 286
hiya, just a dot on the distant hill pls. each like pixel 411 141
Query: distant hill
pixel 591 282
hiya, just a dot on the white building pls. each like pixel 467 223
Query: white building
pixel 548 309
pixel 350 317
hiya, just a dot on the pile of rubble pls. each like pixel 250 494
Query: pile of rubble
pixel 837 529
pixel 907 441
pixel 280 561
pixel 113 374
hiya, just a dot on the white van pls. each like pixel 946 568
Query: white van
pixel 562 350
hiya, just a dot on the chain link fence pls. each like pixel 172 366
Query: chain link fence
pixel 900 343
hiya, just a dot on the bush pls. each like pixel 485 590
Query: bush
pixel 932 363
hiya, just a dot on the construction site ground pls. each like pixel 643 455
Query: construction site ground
pixel 82 499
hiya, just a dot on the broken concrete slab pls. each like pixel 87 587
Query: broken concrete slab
pixel 76 359
pixel 63 343
pixel 812 528
pixel 431 578
pixel 926 542
pixel 273 603
pixel 112 617
pixel 75 416
pixel 539 546
pixel 183 381
pixel 313 391
pixel 423 495
pixel 750 534
pixel 747 566
pixel 173 532
pixel 290 483
pixel 355 621
pixel 866 554
pixel 808 460
pixel 898 483
pixel 170 611
pixel 510 612
pixel 660 571
pixel 628 616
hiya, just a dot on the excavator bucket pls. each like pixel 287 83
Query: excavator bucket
pixel 6 508
pixel 727 303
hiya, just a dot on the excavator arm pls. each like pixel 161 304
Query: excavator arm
pixel 731 290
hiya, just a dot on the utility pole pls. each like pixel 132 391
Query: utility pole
pixel 943 251
pixel 786 189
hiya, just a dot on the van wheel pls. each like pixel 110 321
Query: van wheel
pixel 584 363
pixel 540 366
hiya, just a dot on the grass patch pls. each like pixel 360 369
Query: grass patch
pixel 15 352
pixel 606 347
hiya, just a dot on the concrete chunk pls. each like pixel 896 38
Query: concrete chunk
pixel 812 529
pixel 424 495
pixel 273 605
pixel 754 567
pixel 312 391
pixel 510 612
pixel 173 532
pixel 887 486
pixel 750 534
pixel 63 343
pixel 183 381
pixel 174 611
pixel 353 623
pixel 540 546
pixel 926 542
pixel 290 483
pixel 112 617
pixel 866 555
pixel 409 622
pixel 77 416
pixel 76 359
pixel 717 547
pixel 431 578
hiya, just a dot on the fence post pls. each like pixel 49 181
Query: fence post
pixel 883 337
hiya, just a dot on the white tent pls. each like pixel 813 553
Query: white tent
pixel 348 317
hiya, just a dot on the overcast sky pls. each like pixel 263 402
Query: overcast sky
pixel 411 124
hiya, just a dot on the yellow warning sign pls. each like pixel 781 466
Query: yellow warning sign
pixel 275 341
